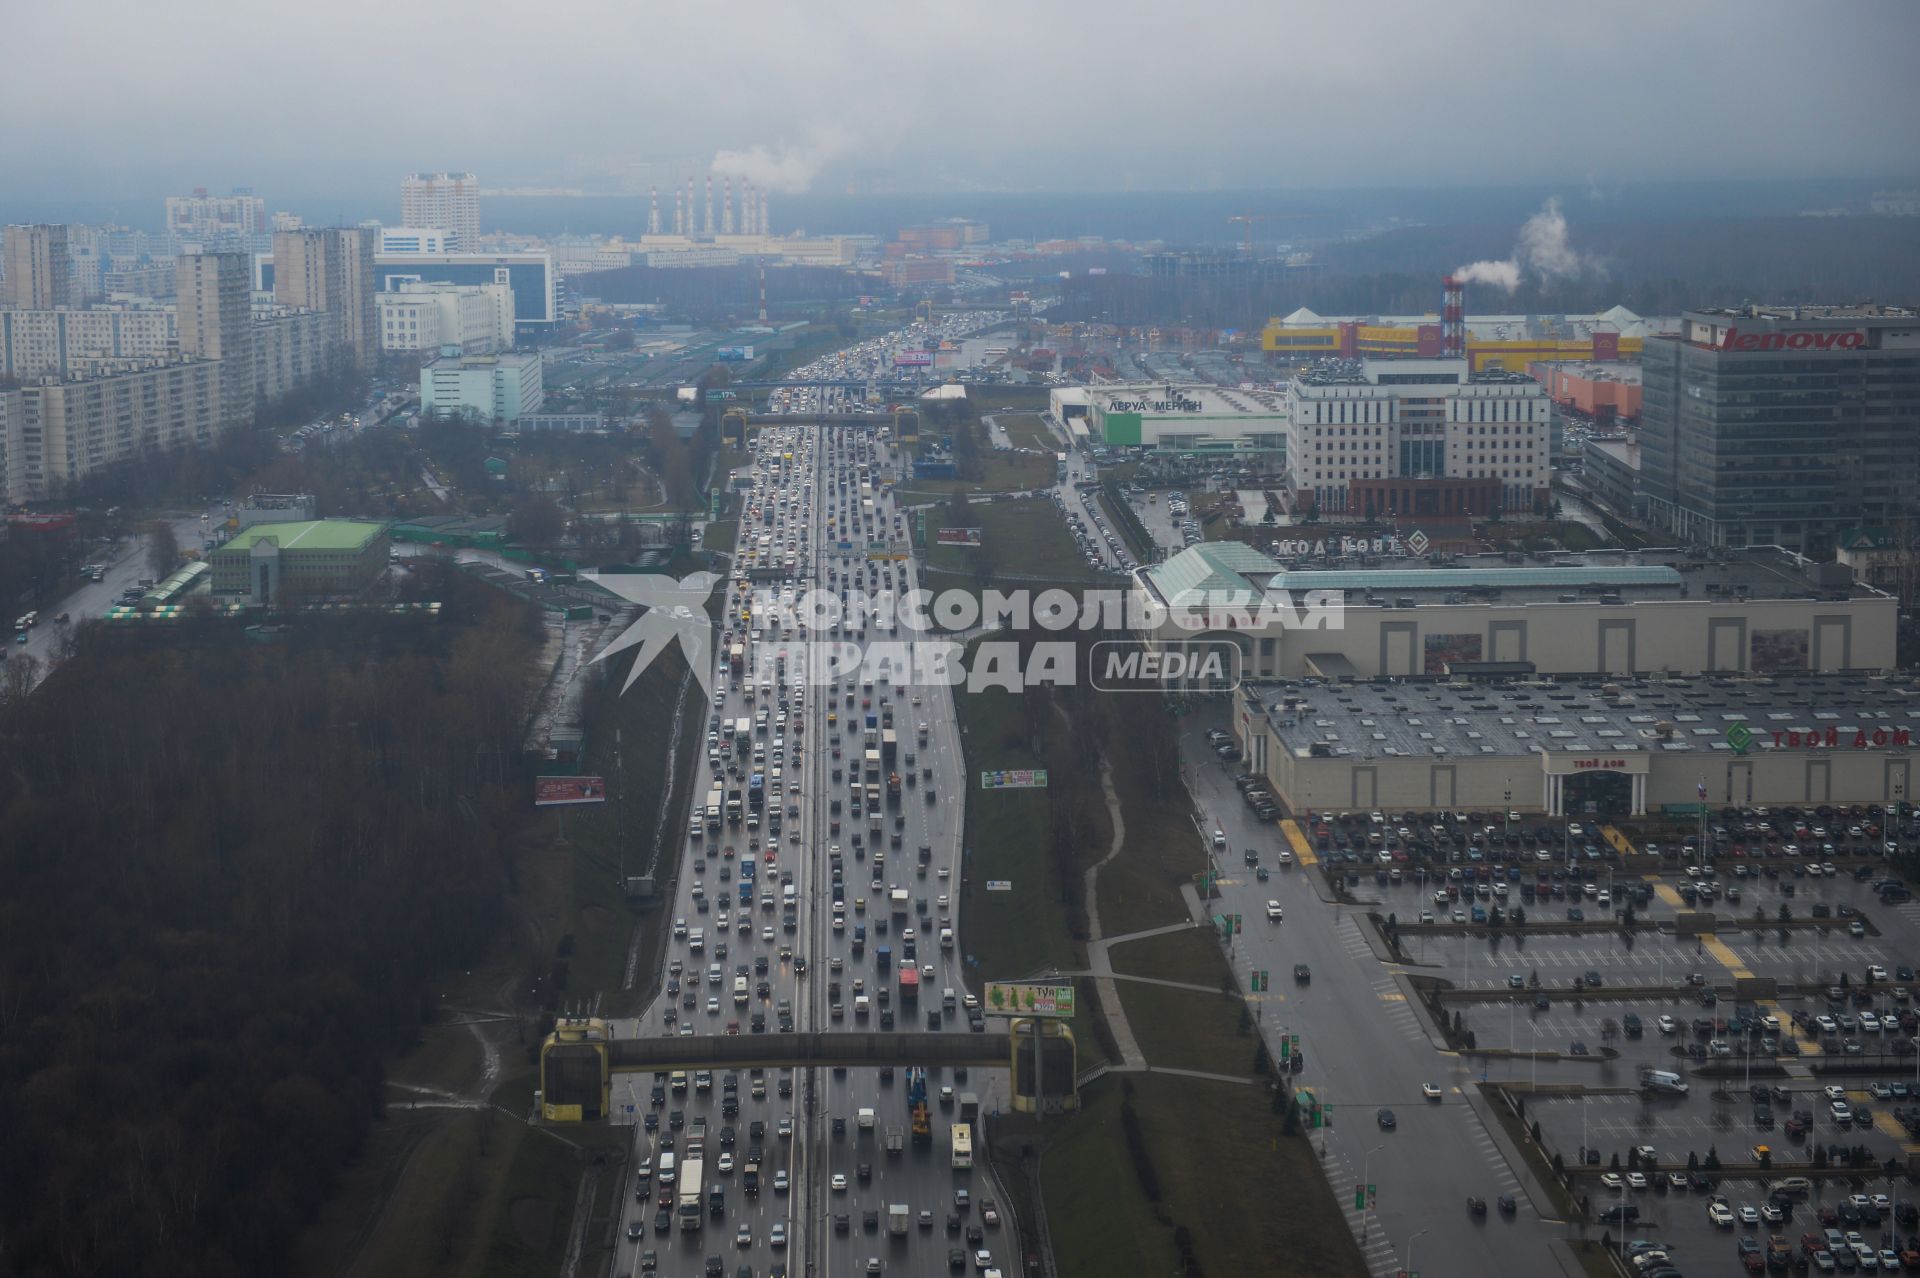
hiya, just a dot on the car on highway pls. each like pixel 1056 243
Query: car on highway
pixel 1274 912
pixel 1430 1090
pixel 1386 1120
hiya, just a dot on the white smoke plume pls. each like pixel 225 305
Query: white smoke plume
pixel 1543 249
pixel 789 169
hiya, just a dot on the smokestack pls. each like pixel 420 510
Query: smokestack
pixel 653 210
pixel 709 222
pixel 726 210
pixel 690 214
pixel 766 227
pixel 747 209
pixel 1453 318
pixel 763 288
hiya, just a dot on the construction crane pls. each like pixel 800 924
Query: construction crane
pixel 1250 219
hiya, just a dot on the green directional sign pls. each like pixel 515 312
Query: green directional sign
pixel 1740 737
pixel 1359 1197
pixel 1286 1047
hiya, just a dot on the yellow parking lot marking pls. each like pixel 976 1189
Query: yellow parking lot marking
pixel 1617 840
pixel 1393 996
pixel 1302 850
pixel 1726 957
pixel 1666 892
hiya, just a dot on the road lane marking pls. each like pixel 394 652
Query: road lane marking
pixel 1302 850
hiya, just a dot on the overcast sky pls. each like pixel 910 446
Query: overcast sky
pixel 118 98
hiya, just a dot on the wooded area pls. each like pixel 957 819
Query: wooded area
pixel 232 871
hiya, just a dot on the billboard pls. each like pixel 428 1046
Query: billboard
pixel 958 536
pixel 909 359
pixel 1445 650
pixel 1014 779
pixel 1004 998
pixel 735 353
pixel 551 792
pixel 1779 651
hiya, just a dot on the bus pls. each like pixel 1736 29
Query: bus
pixel 962 1146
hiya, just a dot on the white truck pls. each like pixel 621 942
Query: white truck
pixel 864 1118
pixel 691 1204
pixel 898 1219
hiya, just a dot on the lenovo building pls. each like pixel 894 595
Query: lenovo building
pixel 1782 426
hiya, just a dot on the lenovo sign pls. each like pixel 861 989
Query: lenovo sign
pixel 1846 340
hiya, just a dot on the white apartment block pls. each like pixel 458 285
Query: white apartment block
pixel 424 317
pixel 447 202
pixel 57 432
pixel 414 239
pixel 237 221
pixel 37 344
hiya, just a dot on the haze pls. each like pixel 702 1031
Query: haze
pixel 118 100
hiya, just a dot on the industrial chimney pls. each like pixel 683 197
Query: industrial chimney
pixel 1453 318
pixel 726 210
pixel 653 210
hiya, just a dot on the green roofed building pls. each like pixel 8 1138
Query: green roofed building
pixel 296 562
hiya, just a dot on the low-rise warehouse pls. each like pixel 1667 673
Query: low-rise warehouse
pixel 1600 747
pixel 297 562
pixel 1603 612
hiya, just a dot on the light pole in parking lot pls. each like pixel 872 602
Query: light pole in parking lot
pixel 1410 1242
pixel 1535 1054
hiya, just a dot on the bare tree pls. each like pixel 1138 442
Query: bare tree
pixel 163 549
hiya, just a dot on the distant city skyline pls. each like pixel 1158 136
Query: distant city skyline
pixel 1251 96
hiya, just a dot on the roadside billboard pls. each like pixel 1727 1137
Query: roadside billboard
pixel 552 792
pixel 958 536
pixel 1007 998
pixel 909 359
pixel 1014 779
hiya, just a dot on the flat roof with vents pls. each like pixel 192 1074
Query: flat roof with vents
pixel 1380 718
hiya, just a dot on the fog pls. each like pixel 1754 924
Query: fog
pixel 118 99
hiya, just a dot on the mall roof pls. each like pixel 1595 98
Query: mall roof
pixel 1507 579
pixel 1433 718
pixel 313 534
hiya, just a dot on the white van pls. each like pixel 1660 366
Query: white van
pixel 1661 1080
pixel 739 991
pixel 665 1174
pixel 697 939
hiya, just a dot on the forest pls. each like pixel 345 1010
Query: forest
pixel 233 870
pixel 1651 267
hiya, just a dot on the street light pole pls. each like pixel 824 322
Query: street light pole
pixel 1410 1242
pixel 1366 1187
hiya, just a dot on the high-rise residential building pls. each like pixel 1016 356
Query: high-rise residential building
pixel 215 306
pixel 62 430
pixel 1782 425
pixel 73 343
pixel 331 270
pixel 236 221
pixel 38 274
pixel 448 202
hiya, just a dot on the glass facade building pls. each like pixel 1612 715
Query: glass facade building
pixel 1782 427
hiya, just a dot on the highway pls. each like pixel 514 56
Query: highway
pixel 807 753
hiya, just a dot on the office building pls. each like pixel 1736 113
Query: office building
pixel 293 563
pixel 67 343
pixel 1762 611
pixel 225 223
pixel 418 317
pixel 1416 437
pixel 331 270
pixel 447 202
pixel 528 275
pixel 215 309
pixel 38 276
pixel 413 239
pixel 1782 425
pixel 482 388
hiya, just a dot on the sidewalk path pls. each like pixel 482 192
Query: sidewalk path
pixel 1110 1005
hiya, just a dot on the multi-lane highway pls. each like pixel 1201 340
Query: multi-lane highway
pixel 811 934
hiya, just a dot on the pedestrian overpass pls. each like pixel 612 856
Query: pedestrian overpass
pixel 581 1056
